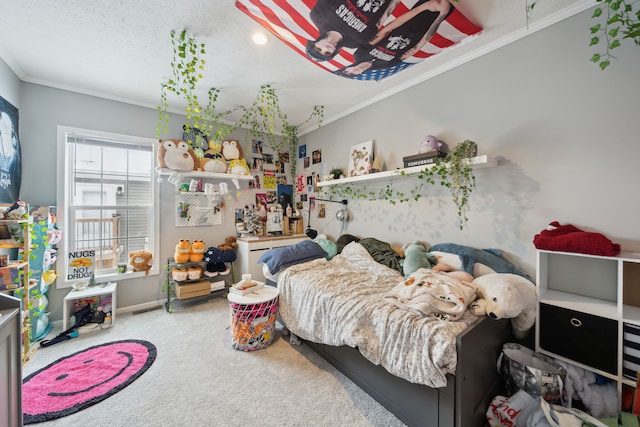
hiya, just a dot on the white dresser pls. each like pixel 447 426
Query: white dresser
pixel 252 248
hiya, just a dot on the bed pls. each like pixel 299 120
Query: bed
pixel 425 370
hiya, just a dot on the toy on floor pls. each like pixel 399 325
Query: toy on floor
pixel 506 296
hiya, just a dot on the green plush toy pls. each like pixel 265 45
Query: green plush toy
pixel 415 257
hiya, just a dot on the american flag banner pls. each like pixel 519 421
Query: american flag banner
pixel 363 39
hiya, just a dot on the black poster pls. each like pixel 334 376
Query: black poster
pixel 10 158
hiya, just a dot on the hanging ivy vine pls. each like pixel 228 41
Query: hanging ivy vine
pixel 262 118
pixel 617 19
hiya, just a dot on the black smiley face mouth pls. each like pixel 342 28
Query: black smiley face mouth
pixel 129 358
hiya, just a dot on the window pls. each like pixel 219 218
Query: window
pixel 106 198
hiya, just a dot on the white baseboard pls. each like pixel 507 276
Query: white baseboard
pixel 141 307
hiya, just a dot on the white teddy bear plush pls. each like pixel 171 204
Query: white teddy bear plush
pixel 506 295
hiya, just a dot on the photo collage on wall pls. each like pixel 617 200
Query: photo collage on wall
pixel 270 176
pixel 306 181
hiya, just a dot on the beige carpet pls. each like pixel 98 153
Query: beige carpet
pixel 199 380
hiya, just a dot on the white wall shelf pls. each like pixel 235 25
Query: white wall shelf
pixel 206 175
pixel 478 162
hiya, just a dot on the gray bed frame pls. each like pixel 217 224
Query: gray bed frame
pixel 462 403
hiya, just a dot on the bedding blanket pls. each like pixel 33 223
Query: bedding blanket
pixel 435 293
pixel 341 302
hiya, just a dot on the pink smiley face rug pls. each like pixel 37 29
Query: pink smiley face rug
pixel 75 382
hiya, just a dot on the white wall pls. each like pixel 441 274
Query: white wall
pixel 565 132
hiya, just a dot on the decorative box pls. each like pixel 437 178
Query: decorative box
pixel 423 159
pixel 192 290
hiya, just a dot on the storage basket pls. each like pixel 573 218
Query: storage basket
pixel 253 325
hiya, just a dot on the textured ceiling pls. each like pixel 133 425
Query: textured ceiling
pixel 121 50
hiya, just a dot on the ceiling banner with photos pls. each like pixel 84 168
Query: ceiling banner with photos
pixel 363 39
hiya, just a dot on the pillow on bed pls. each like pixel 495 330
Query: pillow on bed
pixel 278 258
pixel 328 246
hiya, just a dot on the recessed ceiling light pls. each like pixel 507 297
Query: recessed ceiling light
pixel 259 38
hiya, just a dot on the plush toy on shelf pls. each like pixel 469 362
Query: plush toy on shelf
pixel 229 244
pixel 183 249
pixel 194 272
pixel 213 160
pixel 197 251
pixel 232 151
pixel 176 154
pixel 506 296
pixel 140 261
pixel 179 274
pixel 430 143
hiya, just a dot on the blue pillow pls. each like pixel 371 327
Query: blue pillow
pixel 286 256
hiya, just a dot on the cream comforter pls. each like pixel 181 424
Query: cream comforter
pixel 341 302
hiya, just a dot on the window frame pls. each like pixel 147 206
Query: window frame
pixel 64 181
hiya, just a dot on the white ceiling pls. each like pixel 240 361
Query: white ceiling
pixel 121 50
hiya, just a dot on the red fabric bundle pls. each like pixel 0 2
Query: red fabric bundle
pixel 568 238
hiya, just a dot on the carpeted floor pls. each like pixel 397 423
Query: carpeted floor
pixel 197 378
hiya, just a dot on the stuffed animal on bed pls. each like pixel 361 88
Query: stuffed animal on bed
pixel 506 296
pixel 415 257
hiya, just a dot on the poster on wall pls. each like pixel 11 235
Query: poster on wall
pixel 363 39
pixel 10 157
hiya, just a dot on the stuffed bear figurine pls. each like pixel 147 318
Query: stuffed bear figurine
pixel 176 154
pixel 140 261
pixel 506 295
pixel 229 244
pixel 232 151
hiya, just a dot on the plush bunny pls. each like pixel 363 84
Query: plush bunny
pixel 506 295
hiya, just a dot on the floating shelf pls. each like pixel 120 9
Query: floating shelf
pixel 478 162
pixel 208 175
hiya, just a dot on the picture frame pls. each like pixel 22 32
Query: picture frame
pixel 360 158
